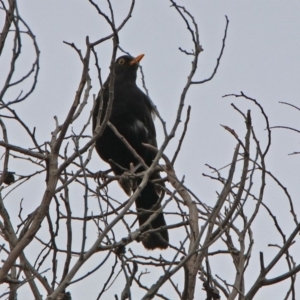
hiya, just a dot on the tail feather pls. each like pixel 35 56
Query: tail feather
pixel 146 204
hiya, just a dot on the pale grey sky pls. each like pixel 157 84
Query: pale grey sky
pixel 261 59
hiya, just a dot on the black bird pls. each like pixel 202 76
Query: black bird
pixel 131 115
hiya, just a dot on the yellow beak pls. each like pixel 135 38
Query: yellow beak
pixel 137 59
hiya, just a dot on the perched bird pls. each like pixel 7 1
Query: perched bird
pixel 131 115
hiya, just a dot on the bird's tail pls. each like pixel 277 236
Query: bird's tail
pixel 147 203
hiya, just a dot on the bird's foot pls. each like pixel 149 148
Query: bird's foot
pixel 128 182
pixel 101 175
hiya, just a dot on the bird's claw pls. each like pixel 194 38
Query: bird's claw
pixel 128 182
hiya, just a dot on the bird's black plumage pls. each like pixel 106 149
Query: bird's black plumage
pixel 131 115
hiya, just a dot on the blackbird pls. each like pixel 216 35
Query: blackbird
pixel 131 115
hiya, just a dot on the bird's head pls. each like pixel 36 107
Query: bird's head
pixel 126 66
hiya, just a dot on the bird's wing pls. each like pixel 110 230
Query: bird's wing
pixel 144 121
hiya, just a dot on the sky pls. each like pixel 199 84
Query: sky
pixel 261 58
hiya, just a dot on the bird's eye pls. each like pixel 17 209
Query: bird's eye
pixel 121 61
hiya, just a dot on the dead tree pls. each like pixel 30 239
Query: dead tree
pixel 56 245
